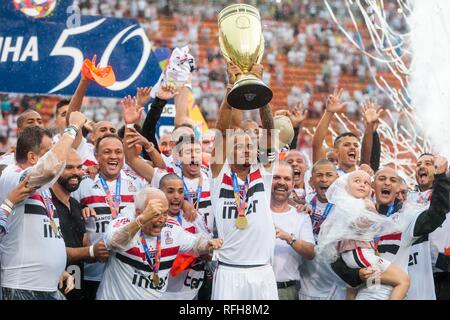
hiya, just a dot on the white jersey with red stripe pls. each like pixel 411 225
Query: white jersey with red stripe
pixel 318 281
pixel 420 267
pixel 91 194
pixel 128 274
pixel 255 244
pixel 395 248
pixel 186 284
pixel 33 257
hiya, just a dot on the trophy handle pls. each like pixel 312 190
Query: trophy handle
pixel 221 45
pixel 261 50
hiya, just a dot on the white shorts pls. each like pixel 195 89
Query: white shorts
pixel 232 283
pixel 364 258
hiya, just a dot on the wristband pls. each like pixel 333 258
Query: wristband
pixel 9 203
pixel 5 208
pixel 71 132
pixel 75 127
pixel 91 251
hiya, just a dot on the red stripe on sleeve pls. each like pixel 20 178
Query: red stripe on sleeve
pixel 396 236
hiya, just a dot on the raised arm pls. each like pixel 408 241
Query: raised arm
pixel 77 98
pixel 181 104
pixel 165 93
pixel 297 115
pixel 375 155
pixel 431 219
pixel 224 120
pixel 131 112
pixel 371 114
pixel 334 105
pixel 52 163
pixel 266 153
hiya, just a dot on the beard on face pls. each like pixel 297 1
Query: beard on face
pixel 64 182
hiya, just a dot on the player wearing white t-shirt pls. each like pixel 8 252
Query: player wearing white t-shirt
pixel 144 246
pixel 103 198
pixel 33 252
pixel 318 281
pixel 240 193
pixel 295 240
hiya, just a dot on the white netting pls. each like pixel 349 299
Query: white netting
pixel 350 219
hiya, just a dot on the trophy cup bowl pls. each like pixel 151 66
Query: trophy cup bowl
pixel 241 42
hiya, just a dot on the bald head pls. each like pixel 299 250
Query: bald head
pixel 144 195
pixel 387 170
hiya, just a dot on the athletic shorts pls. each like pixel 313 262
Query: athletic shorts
pixel 364 258
pixel 232 283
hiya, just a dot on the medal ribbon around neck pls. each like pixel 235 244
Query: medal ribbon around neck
pixel 241 205
pixel 156 261
pixel 114 204
pixel 50 210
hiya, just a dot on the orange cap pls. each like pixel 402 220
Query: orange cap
pixel 103 76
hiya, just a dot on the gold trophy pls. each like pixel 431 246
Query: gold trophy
pixel 242 42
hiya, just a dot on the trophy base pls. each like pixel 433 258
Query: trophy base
pixel 249 93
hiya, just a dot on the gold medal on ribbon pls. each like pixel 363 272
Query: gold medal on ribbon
pixel 54 227
pixel 241 222
pixel 155 279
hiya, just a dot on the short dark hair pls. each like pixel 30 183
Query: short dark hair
pixel 121 132
pixel 425 154
pixel 323 162
pixel 106 136
pixel 61 104
pixel 30 139
pixel 169 176
pixel 186 139
pixel 342 135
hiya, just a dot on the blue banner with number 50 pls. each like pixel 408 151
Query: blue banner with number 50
pixel 44 55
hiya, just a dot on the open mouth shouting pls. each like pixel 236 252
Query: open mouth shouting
pixel 297 174
pixel 422 176
pixel 352 156
pixel 386 193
